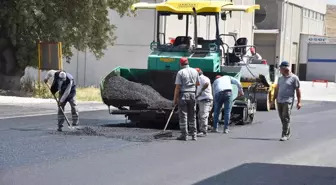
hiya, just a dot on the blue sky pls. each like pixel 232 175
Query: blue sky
pixel 331 1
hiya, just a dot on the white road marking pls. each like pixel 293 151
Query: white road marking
pixel 45 114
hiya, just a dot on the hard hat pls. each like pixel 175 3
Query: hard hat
pixel 200 72
pixel 184 61
pixel 252 50
pixel 62 75
pixel 218 76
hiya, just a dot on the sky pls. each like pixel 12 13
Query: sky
pixel 331 1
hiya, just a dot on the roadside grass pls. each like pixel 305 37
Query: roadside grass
pixel 41 90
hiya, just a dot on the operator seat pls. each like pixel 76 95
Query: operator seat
pixel 179 40
pixel 231 57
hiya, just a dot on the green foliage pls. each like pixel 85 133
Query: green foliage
pixel 76 23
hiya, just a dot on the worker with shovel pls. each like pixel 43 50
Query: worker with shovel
pixel 185 98
pixel 65 84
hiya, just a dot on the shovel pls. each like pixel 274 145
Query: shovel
pixel 165 133
pixel 66 118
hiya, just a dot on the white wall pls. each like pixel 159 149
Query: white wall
pixel 290 32
pixel 296 24
pixel 311 26
pixel 316 5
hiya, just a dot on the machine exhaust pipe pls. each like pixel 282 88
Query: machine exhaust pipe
pixel 195 27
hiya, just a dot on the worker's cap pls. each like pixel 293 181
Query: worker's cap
pixel 284 64
pixel 62 75
pixel 199 70
pixel 184 61
pixel 252 50
pixel 218 76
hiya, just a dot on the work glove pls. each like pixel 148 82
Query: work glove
pixel 61 104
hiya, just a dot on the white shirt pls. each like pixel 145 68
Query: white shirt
pixel 225 83
pixel 248 55
pixel 207 93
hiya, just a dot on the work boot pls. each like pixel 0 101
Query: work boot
pixel 202 134
pixel 182 137
pixel 76 123
pixel 226 131
pixel 215 130
pixel 284 138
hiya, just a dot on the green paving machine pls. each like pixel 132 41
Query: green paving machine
pixel 208 55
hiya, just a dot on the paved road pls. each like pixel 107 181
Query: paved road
pixel 32 153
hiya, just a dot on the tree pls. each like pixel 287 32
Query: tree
pixel 79 24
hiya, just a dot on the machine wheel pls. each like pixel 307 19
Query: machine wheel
pixel 245 117
pixel 263 102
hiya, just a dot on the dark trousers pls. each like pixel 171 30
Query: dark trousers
pixel 74 113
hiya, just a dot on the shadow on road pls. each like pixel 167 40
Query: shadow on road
pixel 253 138
pixel 273 174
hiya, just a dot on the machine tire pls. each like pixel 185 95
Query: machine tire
pixel 246 118
pixel 263 102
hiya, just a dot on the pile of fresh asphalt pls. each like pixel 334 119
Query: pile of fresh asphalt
pixel 123 133
pixel 119 88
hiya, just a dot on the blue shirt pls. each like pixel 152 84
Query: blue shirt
pixel 225 83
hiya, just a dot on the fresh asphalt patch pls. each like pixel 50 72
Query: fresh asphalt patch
pixel 123 132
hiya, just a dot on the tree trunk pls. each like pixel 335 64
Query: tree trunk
pixel 10 73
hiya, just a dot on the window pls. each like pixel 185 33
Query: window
pixel 260 15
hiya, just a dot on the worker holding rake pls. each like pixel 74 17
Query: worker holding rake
pixel 64 84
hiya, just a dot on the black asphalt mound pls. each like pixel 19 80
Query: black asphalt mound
pixel 117 89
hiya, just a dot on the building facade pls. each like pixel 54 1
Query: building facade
pixel 279 24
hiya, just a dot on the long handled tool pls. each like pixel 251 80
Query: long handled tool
pixel 66 118
pixel 165 133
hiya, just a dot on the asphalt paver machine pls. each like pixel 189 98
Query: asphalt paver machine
pixel 163 61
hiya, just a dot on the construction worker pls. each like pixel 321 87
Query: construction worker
pixel 65 84
pixel 222 88
pixel 284 94
pixel 204 100
pixel 185 98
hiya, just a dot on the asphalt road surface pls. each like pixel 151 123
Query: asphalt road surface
pixel 33 153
